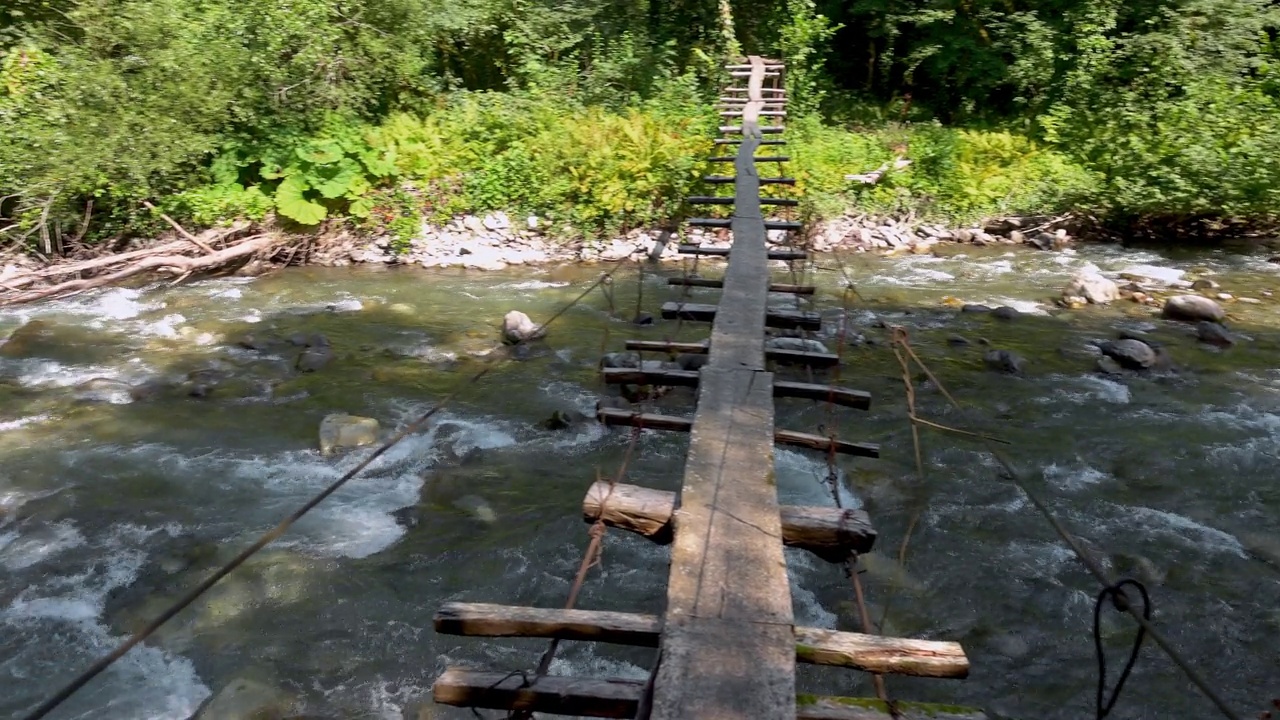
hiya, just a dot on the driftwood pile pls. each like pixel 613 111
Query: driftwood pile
pixel 222 250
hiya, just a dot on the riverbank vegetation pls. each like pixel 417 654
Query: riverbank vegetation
pixel 593 115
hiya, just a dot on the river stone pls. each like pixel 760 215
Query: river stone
pixel 974 308
pixel 1214 334
pixel 1004 312
pixel 339 431
pixel 1092 287
pixel 1193 308
pixel 1109 366
pixel 104 390
pixel 613 402
pixel 518 327
pixel 1131 354
pixel 692 361
pixel 477 507
pixel 796 344
pixel 957 340
pixel 563 420
pixel 1005 361
pixel 314 358
pixel 245 699
pixel 630 360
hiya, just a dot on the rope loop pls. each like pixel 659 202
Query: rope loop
pixel 1121 602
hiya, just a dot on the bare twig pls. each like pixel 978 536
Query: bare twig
pixel 181 230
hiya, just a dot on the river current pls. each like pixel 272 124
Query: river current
pixel 148 434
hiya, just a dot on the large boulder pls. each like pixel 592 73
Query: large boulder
pixel 1092 287
pixel 340 431
pixel 1193 308
pixel 518 327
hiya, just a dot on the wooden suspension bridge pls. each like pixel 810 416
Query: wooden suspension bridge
pixel 728 643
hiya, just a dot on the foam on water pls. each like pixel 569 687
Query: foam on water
pixel 41 373
pixel 20 550
pixel 1074 478
pixel 1088 389
pixel 530 285
pixel 21 423
pixel 802 480
pixel 1179 527
pixel 57 618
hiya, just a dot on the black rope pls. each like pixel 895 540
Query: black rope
pixel 1121 602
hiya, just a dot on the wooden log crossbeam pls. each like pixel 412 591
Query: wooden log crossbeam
pixel 735 141
pixel 766 129
pixel 729 180
pixel 762 113
pixel 655 421
pixel 785 225
pixel 828 532
pixel 782 319
pixel 690 249
pixel 857 399
pixel 716 200
pixel 756 158
pixel 617 698
pixel 815 646
pixel 713 283
pixel 791 357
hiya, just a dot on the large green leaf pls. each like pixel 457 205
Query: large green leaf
pixel 335 180
pixel 293 203
pixel 324 152
pixel 380 163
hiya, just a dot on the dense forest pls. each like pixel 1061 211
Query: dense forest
pixel 593 113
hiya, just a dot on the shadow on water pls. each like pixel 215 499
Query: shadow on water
pixel 1163 473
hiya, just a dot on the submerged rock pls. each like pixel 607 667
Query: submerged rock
pixel 104 390
pixel 477 507
pixel 1005 361
pixel 1092 287
pixel 1004 312
pixel 518 327
pixel 341 431
pixel 244 699
pixel 1214 334
pixel 1109 366
pixel 563 420
pixel 630 360
pixel 796 344
pixel 1193 308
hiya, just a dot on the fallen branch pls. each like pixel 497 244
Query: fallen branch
pixel 181 230
pixel 876 175
pixel 174 264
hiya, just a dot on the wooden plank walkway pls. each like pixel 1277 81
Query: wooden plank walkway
pixel 727 642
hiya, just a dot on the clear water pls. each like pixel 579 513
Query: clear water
pixel 111 507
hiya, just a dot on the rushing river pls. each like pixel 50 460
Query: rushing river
pixel 119 490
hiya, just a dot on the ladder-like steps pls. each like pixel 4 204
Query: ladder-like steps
pixel 816 646
pixel 828 532
pixel 654 421
pixel 765 129
pixel 738 141
pixel 773 287
pixel 780 319
pixel 716 200
pixel 781 388
pixel 757 158
pixel 689 249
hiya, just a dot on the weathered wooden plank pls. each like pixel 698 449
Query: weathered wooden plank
pixel 826 393
pixel 815 646
pixel 713 283
pixel 709 222
pixel 715 200
pixel 735 141
pixel 689 249
pixel 729 179
pixel 650 376
pixel 762 113
pixel 703 312
pixel 817 442
pixel 616 698
pixel 791 357
pixel 768 129
pixel 763 90
pixel 757 158
pixel 829 532
pixel 650 421
pixel 669 346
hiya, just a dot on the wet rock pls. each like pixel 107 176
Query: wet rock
pixel 1092 287
pixel 1204 284
pixel 245 699
pixel 1154 273
pixel 563 420
pixel 796 344
pixel 1005 361
pixel 148 390
pixel 1192 308
pixel 692 361
pixel 613 402
pixel 643 318
pixel 314 357
pixel 629 360
pixel 518 327
pixel 974 308
pixel 957 340
pixel 251 341
pixel 1109 366
pixel 1043 241
pixel 477 507
pixel 340 431
pixel 1130 354
pixel 1005 312
pixel 104 390
pixel 1214 334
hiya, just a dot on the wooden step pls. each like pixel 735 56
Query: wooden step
pixel 715 200
pixel 815 646
pixel 654 421
pixel 735 141
pixel 782 319
pixel 710 222
pixel 689 249
pixel 729 179
pixel 793 357
pixel 828 532
pixel 774 287
pixel 765 129
pixel 765 91
pixel 617 698
pixel 781 388
pixel 761 113
pixel 757 158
